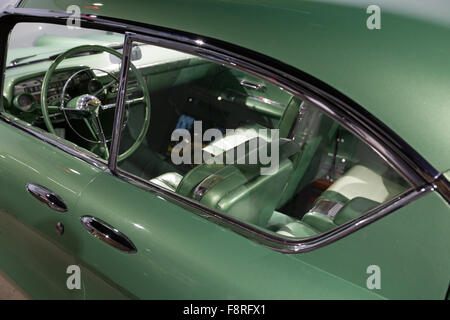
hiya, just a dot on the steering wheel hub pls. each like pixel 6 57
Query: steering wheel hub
pixel 85 102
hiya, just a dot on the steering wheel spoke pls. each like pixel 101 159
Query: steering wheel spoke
pixel 95 128
pixel 135 101
pixel 53 109
pixel 105 87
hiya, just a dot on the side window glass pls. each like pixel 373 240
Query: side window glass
pixel 246 148
pixel 72 97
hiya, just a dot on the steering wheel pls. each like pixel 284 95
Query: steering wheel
pixel 88 106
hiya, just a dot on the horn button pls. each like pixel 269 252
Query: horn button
pixel 85 102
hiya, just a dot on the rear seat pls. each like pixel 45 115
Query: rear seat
pixel 353 194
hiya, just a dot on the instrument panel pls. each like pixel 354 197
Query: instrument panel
pixel 27 93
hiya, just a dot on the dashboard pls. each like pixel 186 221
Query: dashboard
pixel 27 93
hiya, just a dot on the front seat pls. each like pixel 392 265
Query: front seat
pixel 242 134
pixel 239 190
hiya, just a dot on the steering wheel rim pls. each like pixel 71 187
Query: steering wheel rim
pixel 98 48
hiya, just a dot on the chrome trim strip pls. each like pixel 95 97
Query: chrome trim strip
pixel 267 101
pixel 275 242
pixel 46 196
pixel 252 85
pixel 120 104
pixel 442 185
pixel 328 208
pixel 76 153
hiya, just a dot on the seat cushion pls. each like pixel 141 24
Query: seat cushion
pixel 277 220
pixel 169 180
pixel 297 229
pixel 361 181
pixel 237 137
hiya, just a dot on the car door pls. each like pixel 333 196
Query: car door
pixel 181 254
pixel 35 253
pixel 41 178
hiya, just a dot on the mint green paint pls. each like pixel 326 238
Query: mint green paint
pixel 32 253
pixel 183 255
pixel 410 246
pixel 447 175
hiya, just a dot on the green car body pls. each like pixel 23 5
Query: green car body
pixel 398 74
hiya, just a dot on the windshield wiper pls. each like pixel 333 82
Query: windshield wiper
pixel 17 60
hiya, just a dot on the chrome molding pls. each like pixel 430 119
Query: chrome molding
pixel 252 85
pixel 120 104
pixel 58 144
pixel 47 197
pixel 273 241
pixel 442 185
pixel 108 234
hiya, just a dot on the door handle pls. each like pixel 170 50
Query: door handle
pixel 108 234
pixel 47 197
pixel 253 85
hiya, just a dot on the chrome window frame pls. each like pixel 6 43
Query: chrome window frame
pixel 392 148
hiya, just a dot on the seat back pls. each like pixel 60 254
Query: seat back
pixel 311 131
pixel 239 190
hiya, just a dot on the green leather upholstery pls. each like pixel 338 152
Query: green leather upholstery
pixel 298 230
pixel 353 194
pixel 250 131
pixel 319 221
pixel 239 190
pixel 311 131
pixel 239 136
pixel 286 123
pixel 255 201
pixel 169 180
pixel 362 181
pixel 353 209
pixel 290 227
pixel 278 220
pixel 315 223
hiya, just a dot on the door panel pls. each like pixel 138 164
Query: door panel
pixel 181 255
pixel 32 253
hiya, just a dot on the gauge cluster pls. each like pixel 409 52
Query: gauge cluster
pixel 27 94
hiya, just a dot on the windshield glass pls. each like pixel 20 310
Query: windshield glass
pixel 5 4
pixel 49 39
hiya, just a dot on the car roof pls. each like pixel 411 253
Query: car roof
pixel 399 73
